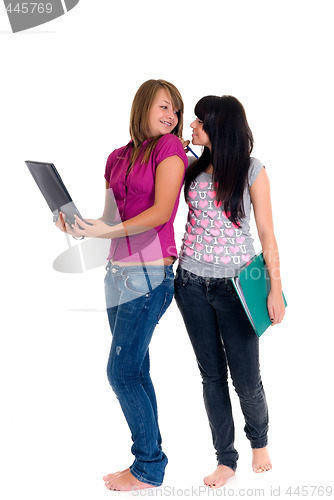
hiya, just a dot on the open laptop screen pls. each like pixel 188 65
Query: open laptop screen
pixel 53 189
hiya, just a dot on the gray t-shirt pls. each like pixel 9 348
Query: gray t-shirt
pixel 213 246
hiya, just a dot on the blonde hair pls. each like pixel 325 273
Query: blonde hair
pixel 140 109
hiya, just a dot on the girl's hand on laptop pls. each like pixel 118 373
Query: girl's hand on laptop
pixel 62 225
pixel 93 228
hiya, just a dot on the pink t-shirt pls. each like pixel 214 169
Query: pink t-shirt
pixel 135 193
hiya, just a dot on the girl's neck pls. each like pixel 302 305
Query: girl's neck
pixel 209 169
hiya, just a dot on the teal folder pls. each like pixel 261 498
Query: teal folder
pixel 252 286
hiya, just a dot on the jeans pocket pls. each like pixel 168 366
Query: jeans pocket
pixel 142 283
pixel 137 284
pixel 181 279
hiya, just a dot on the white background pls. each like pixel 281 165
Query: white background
pixel 66 92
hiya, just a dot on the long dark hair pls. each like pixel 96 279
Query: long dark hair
pixel 224 120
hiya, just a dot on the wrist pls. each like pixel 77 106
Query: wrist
pixel 276 288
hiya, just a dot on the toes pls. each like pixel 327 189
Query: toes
pixel 257 469
pixel 208 483
pixel 109 481
pixel 211 483
pixel 261 468
pixel 109 486
pixel 216 484
pixel 208 480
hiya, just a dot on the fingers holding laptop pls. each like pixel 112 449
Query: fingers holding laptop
pixel 93 228
pixel 65 226
pixel 60 223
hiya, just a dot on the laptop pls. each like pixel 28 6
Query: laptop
pixel 54 190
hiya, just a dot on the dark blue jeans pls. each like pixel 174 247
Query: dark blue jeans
pixel 136 299
pixel 222 337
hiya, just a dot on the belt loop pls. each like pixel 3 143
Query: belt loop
pixel 147 279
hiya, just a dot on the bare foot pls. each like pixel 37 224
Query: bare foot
pixel 219 477
pixel 125 481
pixel 261 460
pixel 107 478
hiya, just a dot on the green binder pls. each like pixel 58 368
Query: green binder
pixel 252 286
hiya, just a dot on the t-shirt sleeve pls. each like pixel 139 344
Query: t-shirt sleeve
pixel 254 170
pixel 169 145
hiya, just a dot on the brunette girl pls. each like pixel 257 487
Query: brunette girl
pixel 220 189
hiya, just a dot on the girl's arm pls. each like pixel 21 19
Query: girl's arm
pixel 169 175
pixel 260 196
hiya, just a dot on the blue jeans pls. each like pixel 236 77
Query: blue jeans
pixel 222 337
pixel 136 299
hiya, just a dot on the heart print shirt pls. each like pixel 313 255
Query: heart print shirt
pixel 213 246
